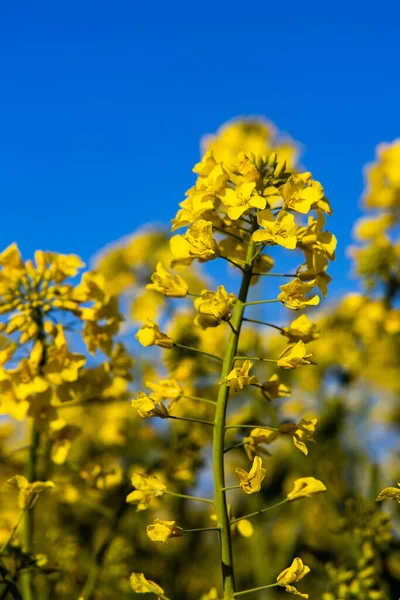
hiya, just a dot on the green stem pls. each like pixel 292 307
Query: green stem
pixel 199 399
pixel 271 360
pixel 232 262
pixel 231 487
pixel 202 529
pixel 259 512
pixel 13 532
pixel 192 420
pixel 239 445
pixel 28 531
pixel 197 350
pixel 274 275
pixel 241 426
pixel 219 429
pixel 261 302
pixel 262 587
pixel 263 323
pixel 97 566
pixel 188 497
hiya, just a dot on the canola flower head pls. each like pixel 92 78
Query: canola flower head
pixel 295 355
pixel 147 406
pixel 149 335
pixel 141 585
pixel 239 377
pixel 389 493
pixel 305 487
pixel 29 493
pixel 293 574
pixel 172 286
pixel 251 481
pixel 162 531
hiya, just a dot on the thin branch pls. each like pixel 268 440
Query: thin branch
pixel 197 350
pixel 202 529
pixel 259 512
pixel 262 587
pixel 188 497
pixel 242 426
pixel 271 360
pixel 263 323
pixel 192 420
pixel 199 399
pixel 239 445
pixel 261 302
pixel 232 262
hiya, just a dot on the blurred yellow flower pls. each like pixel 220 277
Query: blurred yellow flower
pixel 150 334
pixel 389 493
pixel 147 488
pixel 172 286
pixel 148 407
pixel 295 355
pixel 239 377
pixel 306 486
pixel 293 574
pixel 250 482
pixel 29 492
pixel 141 585
pixel 161 531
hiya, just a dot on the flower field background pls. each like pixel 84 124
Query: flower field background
pixel 192 417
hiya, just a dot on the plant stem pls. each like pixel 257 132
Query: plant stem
pixel 263 323
pixel 28 531
pixel 199 399
pixel 259 512
pixel 241 426
pixel 13 532
pixel 95 571
pixel 197 350
pixel 262 587
pixel 202 529
pixel 255 358
pixel 261 302
pixel 192 420
pixel 219 429
pixel 188 497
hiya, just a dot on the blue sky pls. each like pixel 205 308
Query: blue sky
pixel 103 105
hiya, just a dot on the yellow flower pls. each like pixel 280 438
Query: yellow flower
pixel 147 488
pixel 292 574
pixel 295 355
pixel 302 432
pixel 161 531
pixel 141 585
pixel 301 329
pixel 150 334
pixel 239 377
pixel 306 486
pixel 212 594
pixel 198 242
pixel 148 407
pixel 293 293
pixel 216 305
pixel 242 198
pixel 274 388
pixel 281 231
pixel 168 389
pixel 313 239
pixel 389 493
pixel 172 286
pixel 300 193
pixel 61 365
pixel 29 492
pixel 251 482
pixel 62 435
pixel 258 436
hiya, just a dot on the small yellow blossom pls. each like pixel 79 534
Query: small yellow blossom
pixel 148 407
pixel 295 355
pixel 251 482
pixel 242 198
pixel 389 493
pixel 198 242
pixel 301 329
pixel 304 433
pixel 281 230
pixel 274 388
pixel 147 488
pixel 254 442
pixel 239 377
pixel 301 194
pixel 165 389
pixel 172 286
pixel 212 594
pixel 141 585
pixel 293 293
pixel 150 334
pixel 161 531
pixel 214 307
pixel 293 574
pixel 306 486
pixel 29 492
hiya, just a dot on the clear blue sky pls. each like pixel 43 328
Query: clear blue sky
pixel 103 103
